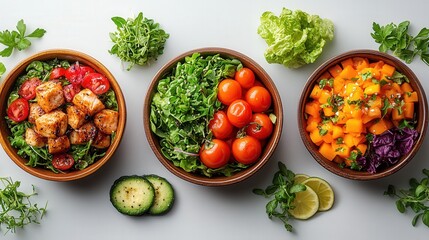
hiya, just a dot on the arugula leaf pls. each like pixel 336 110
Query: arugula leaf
pixel 16 209
pixel 17 39
pixel 397 39
pixel 2 69
pixel 137 41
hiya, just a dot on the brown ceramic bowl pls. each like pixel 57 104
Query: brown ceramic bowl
pixel 420 110
pixel 269 147
pixel 8 84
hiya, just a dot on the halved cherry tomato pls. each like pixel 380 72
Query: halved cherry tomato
pixel 259 99
pixel 260 126
pixel 70 90
pixel 96 82
pixel 239 113
pixel 229 90
pixel 245 77
pixel 246 150
pixel 57 73
pixel 28 88
pixel 76 72
pixel 63 161
pixel 215 154
pixel 18 110
pixel 220 125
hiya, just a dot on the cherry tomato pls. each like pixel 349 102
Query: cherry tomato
pixel 259 99
pixel 70 90
pixel 18 110
pixel 76 72
pixel 246 150
pixel 239 113
pixel 63 161
pixel 260 126
pixel 96 82
pixel 245 77
pixel 28 88
pixel 215 154
pixel 220 126
pixel 57 73
pixel 229 90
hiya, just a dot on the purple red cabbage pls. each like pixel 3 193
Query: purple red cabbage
pixel 385 150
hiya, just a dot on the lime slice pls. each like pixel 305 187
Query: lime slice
pixel 323 191
pixel 299 178
pixel 306 204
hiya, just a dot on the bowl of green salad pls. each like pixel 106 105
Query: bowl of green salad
pixel 62 115
pixel 213 116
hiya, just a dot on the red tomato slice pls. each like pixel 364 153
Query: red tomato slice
pixel 28 88
pixel 18 110
pixel 70 90
pixel 57 73
pixel 63 161
pixel 96 82
pixel 76 72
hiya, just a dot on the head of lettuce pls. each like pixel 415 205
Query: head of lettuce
pixel 294 38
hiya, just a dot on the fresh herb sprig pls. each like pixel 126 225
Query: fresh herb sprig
pixel 137 41
pixel 2 69
pixel 18 39
pixel 416 198
pixel 397 39
pixel 282 191
pixel 16 208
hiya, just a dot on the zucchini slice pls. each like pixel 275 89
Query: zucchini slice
pixel 132 195
pixel 164 194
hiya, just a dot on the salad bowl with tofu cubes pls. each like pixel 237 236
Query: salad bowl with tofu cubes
pixel 62 115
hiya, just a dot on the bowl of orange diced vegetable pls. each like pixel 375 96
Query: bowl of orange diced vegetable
pixel 363 115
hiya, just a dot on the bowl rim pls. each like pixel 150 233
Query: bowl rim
pixel 422 125
pixel 221 180
pixel 70 55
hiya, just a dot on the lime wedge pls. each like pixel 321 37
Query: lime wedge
pixel 306 204
pixel 299 178
pixel 323 191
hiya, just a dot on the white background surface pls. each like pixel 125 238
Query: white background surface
pixel 81 209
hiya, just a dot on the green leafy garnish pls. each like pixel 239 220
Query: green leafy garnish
pixel 182 106
pixel 16 208
pixel 282 193
pixel 2 69
pixel 416 197
pixel 294 38
pixel 17 39
pixel 397 39
pixel 137 41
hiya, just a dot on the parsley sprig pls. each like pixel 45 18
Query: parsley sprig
pixel 18 39
pixel 397 39
pixel 2 69
pixel 16 208
pixel 416 198
pixel 282 191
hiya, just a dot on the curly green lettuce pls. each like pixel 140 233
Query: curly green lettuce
pixel 294 38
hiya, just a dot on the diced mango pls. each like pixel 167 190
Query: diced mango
pixel 327 151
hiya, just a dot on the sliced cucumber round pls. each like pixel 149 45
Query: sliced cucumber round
pixel 164 194
pixel 132 195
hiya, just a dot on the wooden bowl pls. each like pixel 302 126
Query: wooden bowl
pixel 269 147
pixel 8 84
pixel 420 109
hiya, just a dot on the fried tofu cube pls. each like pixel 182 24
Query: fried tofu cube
pixel 88 102
pixel 106 121
pixel 58 145
pixel 49 95
pixel 52 125
pixel 84 134
pixel 34 139
pixel 35 112
pixel 75 117
pixel 101 140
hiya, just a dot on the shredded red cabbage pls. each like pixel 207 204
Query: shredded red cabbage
pixel 387 148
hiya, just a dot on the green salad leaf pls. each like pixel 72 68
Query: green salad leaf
pixel 294 38
pixel 182 106
pixel 137 41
